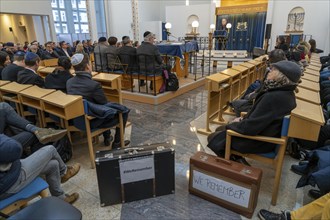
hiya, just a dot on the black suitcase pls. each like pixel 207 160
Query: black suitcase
pixel 135 173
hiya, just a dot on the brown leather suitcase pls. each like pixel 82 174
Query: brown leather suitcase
pixel 226 183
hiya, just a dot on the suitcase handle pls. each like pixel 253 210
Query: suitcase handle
pixel 133 149
pixel 221 160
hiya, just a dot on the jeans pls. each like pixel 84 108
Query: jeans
pixel 46 162
pixel 24 134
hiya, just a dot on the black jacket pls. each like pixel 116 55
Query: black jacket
pixel 10 72
pixel 27 76
pixel 265 118
pixel 61 52
pixel 57 79
pixel 45 55
pixel 149 58
pixel 82 84
pixel 127 55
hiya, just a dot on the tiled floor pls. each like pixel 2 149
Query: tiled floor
pixel 174 121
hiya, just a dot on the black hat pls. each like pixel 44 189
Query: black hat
pixel 9 44
pixel 289 69
pixel 146 33
pixel 19 54
pixel 29 56
pixel 102 39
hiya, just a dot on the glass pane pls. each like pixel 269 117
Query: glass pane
pixel 55 15
pixel 65 28
pixel 76 28
pixel 54 3
pixel 74 4
pixel 81 4
pixel 84 28
pixel 83 17
pixel 57 28
pixel 63 16
pixel 75 16
pixel 61 3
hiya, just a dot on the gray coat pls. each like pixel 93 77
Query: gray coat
pixel 149 58
pixel 100 56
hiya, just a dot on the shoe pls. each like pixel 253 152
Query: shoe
pixel 47 135
pixel 107 141
pixel 71 198
pixel 239 159
pixel 70 172
pixel 303 162
pixel 267 215
pixel 315 194
pixel 299 169
pixel 117 145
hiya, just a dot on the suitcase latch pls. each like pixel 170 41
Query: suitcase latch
pixel 203 158
pixel 108 155
pixel 246 171
pixel 160 148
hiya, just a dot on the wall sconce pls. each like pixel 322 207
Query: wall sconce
pixel 228 26
pixel 195 25
pixel 212 28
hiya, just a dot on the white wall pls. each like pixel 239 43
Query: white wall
pixel 316 23
pixel 29 7
pixel 153 26
pixel 178 16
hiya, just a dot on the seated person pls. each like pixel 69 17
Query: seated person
pixel 127 54
pixel 23 131
pixel 83 84
pixel 100 55
pixel 318 209
pixel 149 58
pixel 112 53
pixel 49 53
pixel 64 50
pixel 29 74
pixel 58 78
pixel 4 61
pixel 10 72
pixel 16 173
pixel 273 102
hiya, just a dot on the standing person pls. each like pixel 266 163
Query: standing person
pixel 149 58
pixel 29 74
pixel 16 173
pixel 83 84
pixel 57 79
pixel 10 71
pixel 281 44
pixel 4 61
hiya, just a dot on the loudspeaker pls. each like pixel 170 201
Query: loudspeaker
pixel 268 31
pixel 10 29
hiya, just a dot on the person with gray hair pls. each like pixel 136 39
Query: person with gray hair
pixel 127 54
pixel 149 58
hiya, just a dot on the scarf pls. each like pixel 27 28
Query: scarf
pixel 271 84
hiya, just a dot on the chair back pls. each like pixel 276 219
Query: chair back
pixel 148 64
pixel 285 126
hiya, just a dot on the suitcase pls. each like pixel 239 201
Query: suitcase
pixel 226 183
pixel 135 173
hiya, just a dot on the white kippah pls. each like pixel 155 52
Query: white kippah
pixel 77 59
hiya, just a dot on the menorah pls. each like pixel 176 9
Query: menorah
pixel 297 20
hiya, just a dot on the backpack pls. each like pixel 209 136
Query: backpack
pixel 171 81
pixel 64 148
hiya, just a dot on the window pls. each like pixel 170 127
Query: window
pixel 74 4
pixel 58 28
pixel 65 28
pixel 83 17
pixel 63 16
pixel 84 28
pixel 55 15
pixel 76 28
pixel 61 3
pixel 81 4
pixel 54 3
pixel 75 16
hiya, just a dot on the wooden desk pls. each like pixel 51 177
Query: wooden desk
pixel 312 72
pixel 310 77
pixel 252 72
pixel 218 86
pixel 51 62
pixel 9 92
pixel 111 85
pixel 262 58
pixel 308 96
pixel 306 121
pixel 244 77
pixel 260 68
pixel 44 71
pixel 2 83
pixel 235 82
pixel 317 65
pixel 32 97
pixel 306 84
pixel 313 68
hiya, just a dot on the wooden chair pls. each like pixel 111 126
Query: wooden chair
pixel 274 158
pixel 37 187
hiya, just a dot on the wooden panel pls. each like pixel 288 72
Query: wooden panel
pixel 310 77
pixel 241 9
pixel 218 81
pixel 309 85
pixel 308 96
pixel 228 3
pixel 312 72
pixel 32 96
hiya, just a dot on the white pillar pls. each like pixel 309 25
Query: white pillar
pixel 135 18
pixel 107 16
pixel 92 19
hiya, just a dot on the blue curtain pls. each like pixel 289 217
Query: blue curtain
pixel 247 30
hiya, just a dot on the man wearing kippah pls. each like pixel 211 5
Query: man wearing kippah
pixel 127 54
pixel 29 74
pixel 83 84
pixel 10 72
pixel 149 57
